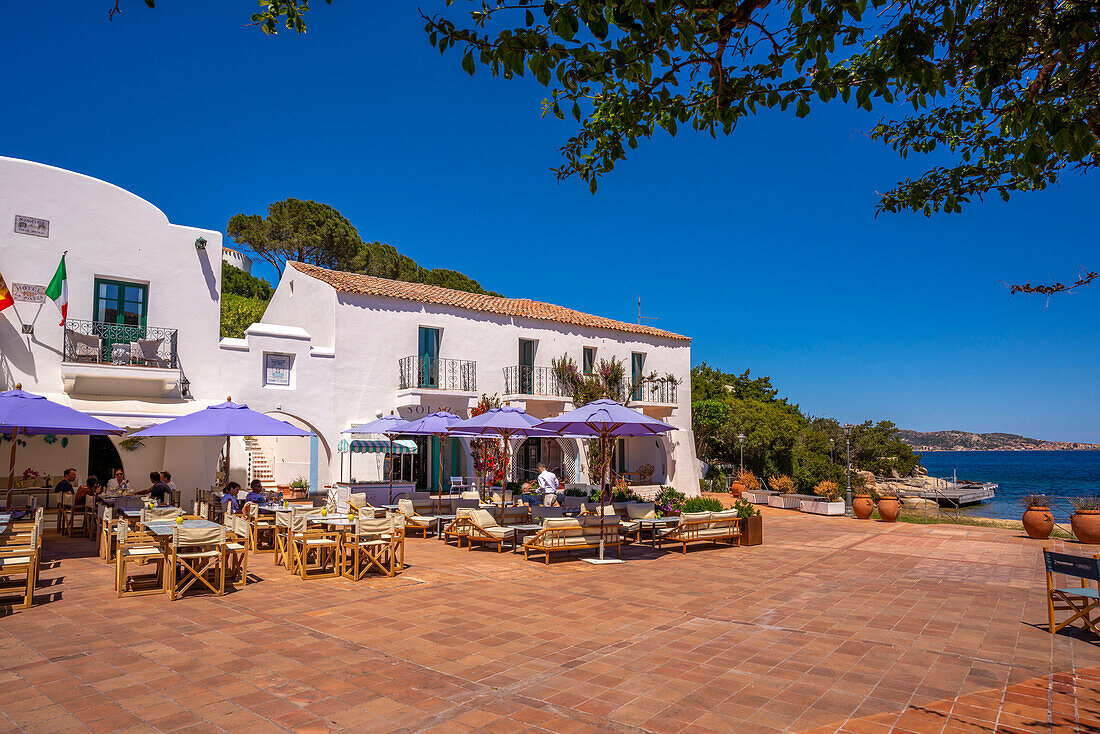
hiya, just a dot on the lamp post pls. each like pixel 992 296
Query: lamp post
pixel 831 444
pixel 741 440
pixel 848 448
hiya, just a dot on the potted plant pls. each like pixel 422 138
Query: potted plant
pixel 668 502
pixel 1038 522
pixel 829 502
pixel 1085 521
pixel 745 481
pixel 299 488
pixel 888 505
pixel 752 525
pixel 786 499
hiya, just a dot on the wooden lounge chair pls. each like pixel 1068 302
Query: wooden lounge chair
pixel 703 527
pixel 484 528
pixel 1083 600
pixel 636 511
pixel 574 533
pixel 458 528
pixel 415 522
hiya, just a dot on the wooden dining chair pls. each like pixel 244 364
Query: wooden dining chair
pixel 315 550
pixel 21 559
pixel 197 556
pixel 137 549
pixel 1083 600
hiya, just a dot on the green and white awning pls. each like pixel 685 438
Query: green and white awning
pixel 375 446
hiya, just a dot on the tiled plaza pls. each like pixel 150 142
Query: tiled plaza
pixel 831 625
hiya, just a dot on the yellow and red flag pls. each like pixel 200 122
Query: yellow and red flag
pixel 5 295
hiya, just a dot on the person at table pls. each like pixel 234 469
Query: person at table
pixel 230 504
pixel 548 485
pixel 166 477
pixel 119 483
pixel 90 487
pixel 159 491
pixel 256 492
pixel 65 486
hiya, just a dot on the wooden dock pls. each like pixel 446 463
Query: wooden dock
pixel 958 494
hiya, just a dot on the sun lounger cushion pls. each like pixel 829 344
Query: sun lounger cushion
pixel 640 511
pixel 484 519
pixel 694 517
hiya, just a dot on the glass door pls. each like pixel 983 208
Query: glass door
pixel 526 366
pixel 637 365
pixel 428 361
pixel 119 312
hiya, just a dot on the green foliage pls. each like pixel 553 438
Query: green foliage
pixel 238 313
pixel 575 492
pixel 1006 93
pixel 702 504
pixel 668 500
pixel 745 509
pixel 299 483
pixel 779 439
pixel 239 283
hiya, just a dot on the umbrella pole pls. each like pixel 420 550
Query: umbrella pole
pixel 391 469
pixel 603 474
pixel 439 477
pixel 11 470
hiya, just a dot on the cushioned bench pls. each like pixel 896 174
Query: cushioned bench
pixel 700 527
pixel 574 533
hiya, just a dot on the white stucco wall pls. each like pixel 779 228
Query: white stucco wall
pixel 237 259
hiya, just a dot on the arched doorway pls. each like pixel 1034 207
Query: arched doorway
pixel 103 458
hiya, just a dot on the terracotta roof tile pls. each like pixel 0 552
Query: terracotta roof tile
pixel 521 307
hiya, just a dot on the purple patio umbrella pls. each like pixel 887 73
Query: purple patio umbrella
pixel 436 424
pixel 504 422
pixel 30 414
pixel 389 426
pixel 225 419
pixel 604 420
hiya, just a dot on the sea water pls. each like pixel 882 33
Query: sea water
pixel 1059 474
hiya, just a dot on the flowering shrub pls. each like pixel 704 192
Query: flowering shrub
pixel 30 474
pixel 487 454
pixel 747 478
pixel 783 483
pixel 667 501
pixel 827 489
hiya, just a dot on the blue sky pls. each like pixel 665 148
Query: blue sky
pixel 762 246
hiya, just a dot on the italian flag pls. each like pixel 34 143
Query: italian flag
pixel 58 290
pixel 5 295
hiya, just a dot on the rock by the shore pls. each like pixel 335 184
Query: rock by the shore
pixel 918 503
pixel 868 479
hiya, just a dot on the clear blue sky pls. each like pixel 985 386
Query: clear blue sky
pixel 762 246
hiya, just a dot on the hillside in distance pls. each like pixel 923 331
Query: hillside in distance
pixel 964 441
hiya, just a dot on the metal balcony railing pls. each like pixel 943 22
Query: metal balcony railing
pixel 660 392
pixel 121 344
pixel 437 374
pixel 523 379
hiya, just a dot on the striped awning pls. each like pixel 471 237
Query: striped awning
pixel 375 446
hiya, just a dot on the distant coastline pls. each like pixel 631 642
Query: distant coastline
pixel 929 441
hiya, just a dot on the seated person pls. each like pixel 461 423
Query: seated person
pixel 255 492
pixel 159 491
pixel 119 483
pixel 90 487
pixel 66 484
pixel 230 504
pixel 166 477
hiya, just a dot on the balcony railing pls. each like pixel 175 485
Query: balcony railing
pixel 122 344
pixel 522 379
pixel 660 392
pixel 437 374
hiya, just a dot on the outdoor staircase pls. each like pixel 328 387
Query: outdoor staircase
pixel 259 466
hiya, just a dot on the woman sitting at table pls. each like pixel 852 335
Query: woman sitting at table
pixel 230 504
pixel 256 492
pixel 90 487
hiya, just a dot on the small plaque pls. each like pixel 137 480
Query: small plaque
pixel 277 369
pixel 32 226
pixel 29 293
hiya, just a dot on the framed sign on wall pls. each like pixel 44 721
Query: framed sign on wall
pixel 277 369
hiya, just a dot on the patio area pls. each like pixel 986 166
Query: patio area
pixel 831 625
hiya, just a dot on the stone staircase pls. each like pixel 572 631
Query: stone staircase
pixel 259 466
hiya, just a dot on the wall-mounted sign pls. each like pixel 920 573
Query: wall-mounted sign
pixel 32 226
pixel 29 293
pixel 277 369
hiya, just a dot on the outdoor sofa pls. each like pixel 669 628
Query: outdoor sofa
pixel 574 533
pixel 703 527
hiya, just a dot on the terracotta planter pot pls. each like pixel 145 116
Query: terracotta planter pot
pixel 736 488
pixel 1038 522
pixel 752 530
pixel 888 509
pixel 862 506
pixel 285 490
pixel 1086 526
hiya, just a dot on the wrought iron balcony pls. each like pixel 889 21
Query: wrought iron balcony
pixel 657 392
pixel 121 344
pixel 458 375
pixel 522 379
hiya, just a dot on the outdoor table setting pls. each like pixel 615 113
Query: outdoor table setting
pixel 163 528
pixel 652 523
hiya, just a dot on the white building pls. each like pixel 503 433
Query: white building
pixel 333 350
pixel 237 259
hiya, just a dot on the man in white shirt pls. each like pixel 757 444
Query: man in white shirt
pixel 548 485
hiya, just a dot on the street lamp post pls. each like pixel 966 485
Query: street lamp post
pixel 848 448
pixel 741 440
pixel 831 444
